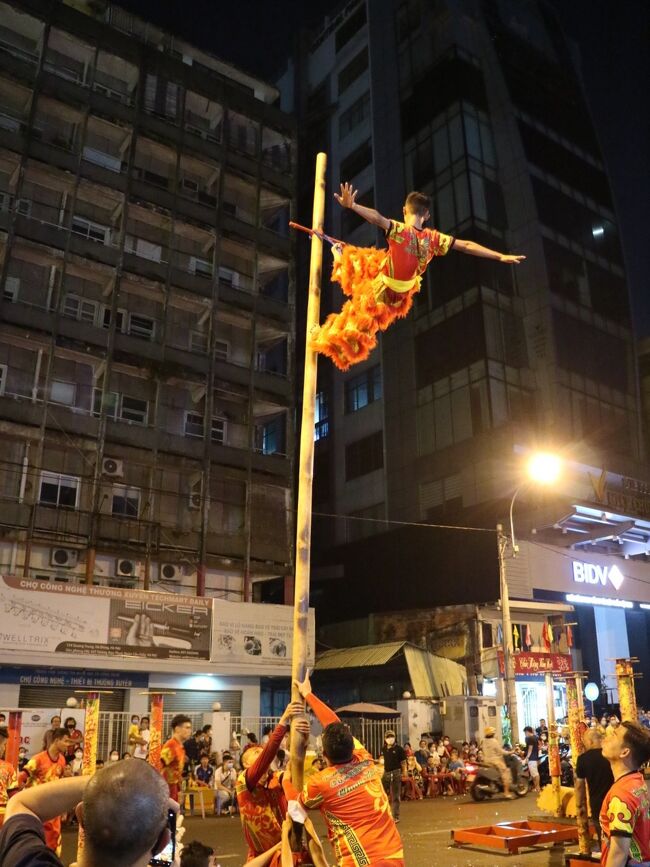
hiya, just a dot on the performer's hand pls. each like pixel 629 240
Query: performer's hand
pixel 348 196
pixel 304 687
pixel 292 709
pixel 303 726
pixel 511 260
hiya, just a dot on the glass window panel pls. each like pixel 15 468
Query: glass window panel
pixel 456 138
pixel 441 148
pixel 499 402
pixel 442 412
pixel 489 155
pixel 461 414
pixel 67 495
pixel 479 205
pixel 62 392
pixel 472 136
pixel 425 429
pixel 462 198
pixel 445 205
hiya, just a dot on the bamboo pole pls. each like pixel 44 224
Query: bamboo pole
pixel 91 740
pixel 573 689
pixel 553 747
pixel 306 472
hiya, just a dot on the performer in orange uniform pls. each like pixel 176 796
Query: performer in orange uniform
pixel 625 814
pixel 8 775
pixel 172 754
pixel 260 798
pixel 381 284
pixel 44 768
pixel 350 795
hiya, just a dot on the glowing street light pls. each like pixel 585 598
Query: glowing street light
pixel 544 468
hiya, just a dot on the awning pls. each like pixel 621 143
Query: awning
pixel 431 676
pixel 365 708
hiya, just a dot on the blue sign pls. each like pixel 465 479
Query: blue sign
pixel 80 678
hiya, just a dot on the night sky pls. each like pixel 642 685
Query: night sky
pixel 612 39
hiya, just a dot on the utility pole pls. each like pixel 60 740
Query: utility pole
pixel 506 628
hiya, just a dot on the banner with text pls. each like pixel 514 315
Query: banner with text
pixel 263 634
pixel 83 620
pixel 537 664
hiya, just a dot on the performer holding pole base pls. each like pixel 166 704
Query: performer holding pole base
pixel 381 283
pixel 350 795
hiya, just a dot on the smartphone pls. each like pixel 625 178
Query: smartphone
pixel 168 854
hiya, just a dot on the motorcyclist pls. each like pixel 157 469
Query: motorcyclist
pixel 493 757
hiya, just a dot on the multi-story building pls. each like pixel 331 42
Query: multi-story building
pixel 477 104
pixel 146 308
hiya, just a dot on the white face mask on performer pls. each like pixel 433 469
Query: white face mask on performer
pixel 390 741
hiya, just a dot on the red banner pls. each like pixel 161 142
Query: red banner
pixel 539 663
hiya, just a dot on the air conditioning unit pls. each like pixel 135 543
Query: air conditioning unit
pixel 66 558
pixel 442 707
pixel 113 468
pixel 126 568
pixel 170 572
pixel 195 501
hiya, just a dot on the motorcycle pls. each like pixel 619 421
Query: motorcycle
pixel 488 783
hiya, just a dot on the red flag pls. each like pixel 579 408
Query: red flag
pixel 569 636
pixel 546 629
pixel 528 641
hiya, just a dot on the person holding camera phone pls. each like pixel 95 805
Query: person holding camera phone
pixel 125 811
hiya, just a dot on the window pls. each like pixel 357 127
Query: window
pixel 363 389
pixel 90 230
pixel 365 522
pixel 350 27
pixel 194 426
pixel 221 350
pixel 357 161
pixel 126 501
pixel 352 117
pixel 111 403
pixel 142 326
pixel 201 267
pixel 120 318
pixel 198 341
pixel 321 417
pixel 356 67
pixel 80 308
pixel 271 436
pixel 99 158
pixel 3 377
pixel 58 490
pixel 62 392
pixel 364 456
pixel 143 249
pixel 228 276
pixel 134 410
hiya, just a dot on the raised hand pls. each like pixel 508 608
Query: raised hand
pixel 348 196
pixel 304 687
pixel 511 260
pixel 292 709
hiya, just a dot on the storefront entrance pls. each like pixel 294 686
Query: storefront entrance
pixel 531 701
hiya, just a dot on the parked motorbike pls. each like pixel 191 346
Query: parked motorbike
pixel 487 781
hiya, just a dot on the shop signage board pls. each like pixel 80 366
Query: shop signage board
pixel 81 620
pixel 246 632
pixel 75 678
pixel 539 664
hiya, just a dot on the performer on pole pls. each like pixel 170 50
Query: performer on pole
pixel 381 283
pixel 350 795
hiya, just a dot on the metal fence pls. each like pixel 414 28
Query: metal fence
pixel 114 730
pixel 371 732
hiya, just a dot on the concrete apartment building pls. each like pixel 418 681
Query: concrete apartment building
pixel 479 105
pixel 146 311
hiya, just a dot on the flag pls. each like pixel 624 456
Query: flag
pixel 499 634
pixel 515 637
pixel 546 636
pixel 528 640
pixel 569 636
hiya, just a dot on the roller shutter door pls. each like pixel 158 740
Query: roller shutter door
pixel 196 701
pixel 56 696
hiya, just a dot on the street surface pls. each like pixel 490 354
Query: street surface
pixel 424 826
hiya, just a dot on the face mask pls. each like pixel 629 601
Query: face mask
pixel 115 758
pixel 390 741
pixel 78 756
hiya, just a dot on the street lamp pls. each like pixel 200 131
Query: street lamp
pixel 542 468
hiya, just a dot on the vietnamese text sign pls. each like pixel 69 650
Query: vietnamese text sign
pixel 248 632
pixel 539 663
pixel 74 678
pixel 38 616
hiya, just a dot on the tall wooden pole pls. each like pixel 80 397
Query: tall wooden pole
pixel 306 472
pixel 626 692
pixel 573 689
pixel 553 746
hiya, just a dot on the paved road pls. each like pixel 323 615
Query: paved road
pixel 425 827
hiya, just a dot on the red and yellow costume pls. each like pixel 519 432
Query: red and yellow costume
pixel 172 758
pixel 8 781
pixel 626 813
pixel 43 769
pixel 354 805
pixel 262 805
pixel 381 285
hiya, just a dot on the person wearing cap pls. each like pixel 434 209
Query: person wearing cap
pixel 260 798
pixel 493 754
pixel 394 769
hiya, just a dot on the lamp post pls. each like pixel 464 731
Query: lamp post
pixel 542 468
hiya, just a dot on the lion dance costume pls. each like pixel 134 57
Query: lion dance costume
pixel 380 285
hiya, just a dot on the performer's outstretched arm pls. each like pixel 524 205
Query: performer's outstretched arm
pixel 257 770
pixel 474 249
pixel 347 199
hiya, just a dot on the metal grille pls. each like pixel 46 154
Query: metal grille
pixel 194 701
pixel 371 732
pixel 56 696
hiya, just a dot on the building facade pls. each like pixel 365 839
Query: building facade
pixel 480 106
pixel 146 373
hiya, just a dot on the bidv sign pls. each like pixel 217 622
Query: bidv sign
pixel 591 573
